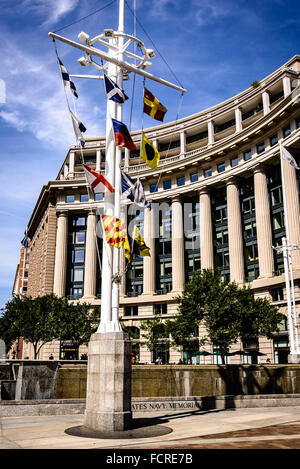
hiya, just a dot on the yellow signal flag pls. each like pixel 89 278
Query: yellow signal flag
pixel 149 153
pixel 141 247
pixel 127 250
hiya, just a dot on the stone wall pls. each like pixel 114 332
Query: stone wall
pixel 189 380
pixel 42 254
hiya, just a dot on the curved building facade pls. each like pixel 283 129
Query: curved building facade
pixel 216 200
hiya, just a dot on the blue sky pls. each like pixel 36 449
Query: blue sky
pixel 216 48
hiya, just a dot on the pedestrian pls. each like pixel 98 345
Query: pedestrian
pixel 51 357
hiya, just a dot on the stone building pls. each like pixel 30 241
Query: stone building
pixel 219 196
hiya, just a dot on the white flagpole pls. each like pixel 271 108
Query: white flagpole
pixel 114 58
pixel 286 257
pixel 117 209
pixel 107 252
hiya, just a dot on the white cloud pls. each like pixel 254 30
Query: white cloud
pixel 35 99
pixel 52 10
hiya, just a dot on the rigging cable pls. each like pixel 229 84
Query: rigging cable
pixel 84 17
pixel 164 60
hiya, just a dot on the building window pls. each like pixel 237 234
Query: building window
pixel 78 221
pixel 26 265
pixel 273 140
pixel 79 237
pixel 181 181
pixel 77 274
pixel 160 309
pixel 207 172
pixel 26 273
pixel 251 253
pixel 247 155
pixel 167 184
pixel 131 310
pixel 220 232
pixel 192 236
pixel 164 253
pixel 99 196
pixel 250 230
pixel 281 349
pixel 298 123
pixel 260 148
pixel 251 347
pixel 278 221
pixel 277 294
pixel 194 177
pixel 234 161
pixel 221 167
pixel 153 188
pixel 27 257
pixel 76 256
pixel 287 131
pixel 70 199
pixel 84 198
pixel 217 359
pixel 134 278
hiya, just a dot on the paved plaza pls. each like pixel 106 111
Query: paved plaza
pixel 257 428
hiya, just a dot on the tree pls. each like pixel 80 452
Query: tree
pixel 154 332
pixel 227 311
pixel 45 318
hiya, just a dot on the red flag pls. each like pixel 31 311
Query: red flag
pixel 96 181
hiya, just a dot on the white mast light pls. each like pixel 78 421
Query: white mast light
pixel 150 53
pixel 146 65
pixel 83 37
pixel 83 62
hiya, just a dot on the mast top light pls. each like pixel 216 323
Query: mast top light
pixel 83 37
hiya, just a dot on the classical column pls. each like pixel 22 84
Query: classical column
pixel 263 223
pixel 211 132
pixel 66 171
pixel 149 284
pixel 266 102
pixel 182 142
pixel 206 238
pixel 71 164
pixel 98 160
pixel 286 81
pixel 238 119
pixel 292 202
pixel 90 264
pixel 127 157
pixel 177 246
pixel 235 233
pixel 60 266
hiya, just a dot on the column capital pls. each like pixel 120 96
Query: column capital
pixel 91 211
pixel 204 190
pixel 176 198
pixel 232 180
pixel 259 168
pixel 61 213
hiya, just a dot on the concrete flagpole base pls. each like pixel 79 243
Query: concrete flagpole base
pixel 108 403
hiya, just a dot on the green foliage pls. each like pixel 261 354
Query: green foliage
pixel 133 335
pixel 255 84
pixel 227 311
pixel 153 330
pixel 45 318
